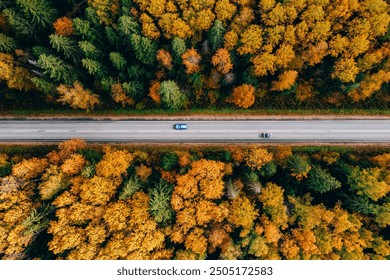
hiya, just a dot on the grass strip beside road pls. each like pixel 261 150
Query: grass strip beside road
pixel 231 113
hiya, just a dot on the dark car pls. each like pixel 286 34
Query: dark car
pixel 180 126
pixel 266 135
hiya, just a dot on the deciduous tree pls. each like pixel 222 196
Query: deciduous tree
pixel 78 97
pixel 242 96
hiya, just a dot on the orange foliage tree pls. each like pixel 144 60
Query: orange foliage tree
pixel 191 60
pixel 64 26
pixel 242 96
pixel 120 96
pixel 165 58
pixel 154 92
pixel 221 60
pixel 193 201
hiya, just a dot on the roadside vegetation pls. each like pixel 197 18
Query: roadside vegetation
pixel 184 55
pixel 76 201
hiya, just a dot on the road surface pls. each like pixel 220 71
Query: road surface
pixel 198 131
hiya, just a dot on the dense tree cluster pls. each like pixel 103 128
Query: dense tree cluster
pixel 213 53
pixel 236 202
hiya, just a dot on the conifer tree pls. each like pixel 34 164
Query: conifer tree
pixel 216 34
pixel 178 48
pixel 7 44
pixel 64 45
pixel 171 96
pixel 57 69
pixel 93 67
pixel 319 180
pixel 20 25
pixel 144 48
pixel 39 12
pixel 118 60
pixel 90 50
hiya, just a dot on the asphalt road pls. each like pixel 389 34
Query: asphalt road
pixel 198 131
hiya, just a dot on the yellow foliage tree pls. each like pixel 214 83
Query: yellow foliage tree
pixel 29 168
pixel 224 10
pixel 149 28
pixel 230 40
pixel 192 200
pixel 256 158
pixel 105 10
pixel 285 80
pixel 264 63
pixel 242 213
pixel 77 97
pixel 53 181
pixel 114 163
pixel 16 77
pixel 73 165
pixel 272 200
pixel 345 69
pixel 251 40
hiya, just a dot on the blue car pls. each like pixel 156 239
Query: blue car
pixel 180 126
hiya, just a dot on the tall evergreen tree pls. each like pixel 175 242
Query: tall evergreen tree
pixel 22 28
pixel 57 69
pixel 118 60
pixel 90 50
pixel 66 46
pixel 178 48
pixel 216 33
pixel 144 48
pixel 128 26
pixel 39 12
pixel 171 95
pixel 7 44
pixel 93 67
pixel 321 181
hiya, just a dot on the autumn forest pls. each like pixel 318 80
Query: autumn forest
pixel 185 54
pixel 77 201
pixel 84 201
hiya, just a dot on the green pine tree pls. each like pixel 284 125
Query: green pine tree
pixel 112 36
pixel 7 44
pixel 178 48
pixel 57 69
pixel 22 28
pixel 65 46
pixel 134 89
pixel 160 202
pixel 38 12
pixel 90 51
pixel 216 33
pixel 128 26
pixel 145 49
pixel 93 67
pixel 171 96
pixel 321 181
pixel 118 60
